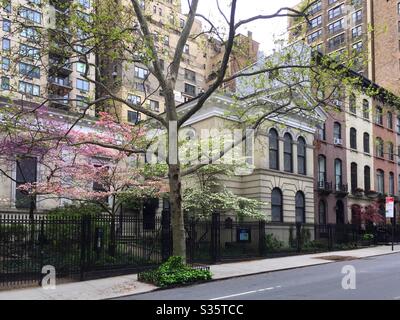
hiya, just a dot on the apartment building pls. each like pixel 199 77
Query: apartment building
pixel 37 65
pixel 370 27
pixel 337 27
pixel 202 57
pixel 245 54
pixel 133 81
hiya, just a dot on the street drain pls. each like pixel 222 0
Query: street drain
pixel 337 258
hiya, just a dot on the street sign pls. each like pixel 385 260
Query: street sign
pixel 389 207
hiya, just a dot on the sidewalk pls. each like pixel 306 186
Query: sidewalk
pixel 128 285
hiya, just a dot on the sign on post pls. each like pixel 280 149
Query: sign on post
pixel 389 207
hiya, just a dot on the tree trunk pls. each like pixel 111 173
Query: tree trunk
pixel 178 226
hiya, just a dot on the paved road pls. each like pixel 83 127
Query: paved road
pixel 376 278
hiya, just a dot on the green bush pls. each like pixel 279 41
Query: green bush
pixel 368 237
pixel 175 272
pixel 272 244
pixel 14 233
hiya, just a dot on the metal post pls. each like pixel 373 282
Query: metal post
pixel 298 236
pixel 393 230
pixel 166 234
pixel 261 237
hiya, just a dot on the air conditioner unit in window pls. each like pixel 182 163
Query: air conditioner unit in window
pixel 338 142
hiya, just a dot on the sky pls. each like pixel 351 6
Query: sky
pixel 263 31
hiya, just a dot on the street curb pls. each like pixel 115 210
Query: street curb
pixel 253 274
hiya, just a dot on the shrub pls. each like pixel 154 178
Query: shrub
pixel 272 244
pixel 368 237
pixel 174 272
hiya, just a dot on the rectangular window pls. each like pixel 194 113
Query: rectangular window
pixel 81 67
pixel 81 102
pixel 6 25
pixel 337 41
pixel 5 64
pixel 29 52
pixel 316 22
pixel 29 88
pixel 30 15
pixel 6 44
pixel 5 83
pixel 154 105
pixel 186 49
pixel 335 12
pixel 190 89
pixel 379 116
pixel 316 7
pixel 190 75
pixel 314 36
pixel 141 73
pixel 84 3
pixel 336 26
pixel 356 32
pixel 357 17
pixel 29 70
pixel 82 85
pixel 134 99
pixel 133 117
pixel 26 172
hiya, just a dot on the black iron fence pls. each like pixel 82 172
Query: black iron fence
pixel 81 247
pixel 216 241
pixel 87 247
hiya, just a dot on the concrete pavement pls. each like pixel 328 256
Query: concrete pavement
pixel 128 285
pixel 376 278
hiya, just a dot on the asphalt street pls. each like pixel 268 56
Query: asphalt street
pixel 376 278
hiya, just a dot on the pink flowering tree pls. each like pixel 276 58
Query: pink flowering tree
pixel 91 163
pixel 368 214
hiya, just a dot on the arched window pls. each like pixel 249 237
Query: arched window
pixel 379 148
pixel 391 151
pixel 353 138
pixel 302 156
pixel 391 183
pixel 366 143
pixel 321 171
pixel 337 131
pixel 380 181
pixel 288 153
pixel 390 120
pixel 276 205
pixel 322 212
pixel 353 104
pixel 273 149
pixel 338 175
pixel 354 177
pixel 367 178
pixel 300 207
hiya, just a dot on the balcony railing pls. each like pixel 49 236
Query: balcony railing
pixel 341 189
pixel 324 187
pixel 64 82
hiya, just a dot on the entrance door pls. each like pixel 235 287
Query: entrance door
pixel 339 212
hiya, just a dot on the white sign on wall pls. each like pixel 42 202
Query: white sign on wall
pixel 389 207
